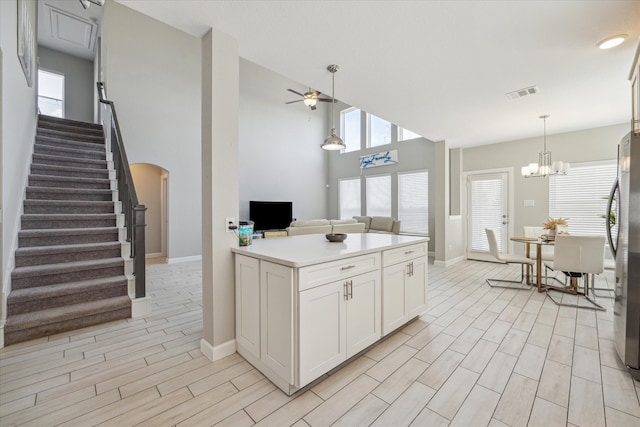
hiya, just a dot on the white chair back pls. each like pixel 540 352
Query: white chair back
pixel 579 254
pixel 493 243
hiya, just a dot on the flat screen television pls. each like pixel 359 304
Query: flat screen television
pixel 270 215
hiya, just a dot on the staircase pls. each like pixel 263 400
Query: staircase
pixel 69 272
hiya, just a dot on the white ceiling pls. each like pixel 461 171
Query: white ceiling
pixel 64 25
pixel 439 68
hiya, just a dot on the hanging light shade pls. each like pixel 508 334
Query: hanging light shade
pixel 333 141
pixel 545 166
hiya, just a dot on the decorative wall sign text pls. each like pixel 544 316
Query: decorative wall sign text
pixel 379 159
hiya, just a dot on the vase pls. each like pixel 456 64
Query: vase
pixel 551 234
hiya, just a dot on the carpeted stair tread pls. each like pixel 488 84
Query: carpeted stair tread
pixel 61 193
pixel 48 121
pixel 43 180
pixel 18 296
pixel 67 313
pixel 52 141
pixel 75 152
pixel 36 206
pixel 69 171
pixel 70 136
pixel 69 267
pixel 49 159
pixel 63 249
pixel 51 237
pixel 57 221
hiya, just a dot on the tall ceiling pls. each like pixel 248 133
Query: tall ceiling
pixel 439 68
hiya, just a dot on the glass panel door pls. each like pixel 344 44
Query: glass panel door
pixel 487 208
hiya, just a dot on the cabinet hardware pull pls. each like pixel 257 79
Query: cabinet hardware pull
pixel 347 267
pixel 351 289
pixel 344 290
pixel 408 252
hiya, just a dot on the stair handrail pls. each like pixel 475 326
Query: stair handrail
pixel 134 212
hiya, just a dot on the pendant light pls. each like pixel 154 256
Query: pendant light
pixel 545 166
pixel 333 141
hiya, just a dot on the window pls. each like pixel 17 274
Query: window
pixel 350 129
pixel 581 196
pixel 413 202
pixel 406 134
pixel 51 93
pixel 349 198
pixel 379 131
pixel 378 195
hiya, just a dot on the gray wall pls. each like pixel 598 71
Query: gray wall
pixel 280 154
pixel 416 154
pixel 573 147
pixel 17 133
pixel 152 73
pixel 79 87
pixel 148 182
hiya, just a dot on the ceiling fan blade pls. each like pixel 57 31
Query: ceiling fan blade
pixel 326 100
pixel 292 102
pixel 296 92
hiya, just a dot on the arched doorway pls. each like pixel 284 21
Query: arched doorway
pixel 151 184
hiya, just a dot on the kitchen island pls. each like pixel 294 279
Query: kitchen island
pixel 305 305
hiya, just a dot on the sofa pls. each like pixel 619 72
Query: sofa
pixel 379 224
pixel 325 226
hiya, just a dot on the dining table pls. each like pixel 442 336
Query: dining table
pixel 528 241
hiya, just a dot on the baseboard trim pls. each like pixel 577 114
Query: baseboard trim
pixel 154 255
pixel 140 307
pixel 448 262
pixel 2 333
pixel 184 259
pixel 218 352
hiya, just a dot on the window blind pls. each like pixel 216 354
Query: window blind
pixel 349 198
pixel 486 212
pixel 413 202
pixel 581 196
pixel 378 195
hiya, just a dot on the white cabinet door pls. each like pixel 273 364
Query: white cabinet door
pixel 276 317
pixel 393 295
pixel 322 342
pixel 363 311
pixel 416 287
pixel 248 304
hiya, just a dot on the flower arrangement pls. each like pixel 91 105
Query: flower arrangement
pixel 553 223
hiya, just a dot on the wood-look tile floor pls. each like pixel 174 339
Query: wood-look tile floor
pixel 479 357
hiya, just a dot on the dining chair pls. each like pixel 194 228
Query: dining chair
pixel 547 250
pixel 577 257
pixel 507 259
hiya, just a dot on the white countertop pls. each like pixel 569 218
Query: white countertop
pixel 309 249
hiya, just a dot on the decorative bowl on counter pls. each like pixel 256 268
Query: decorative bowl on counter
pixel 336 237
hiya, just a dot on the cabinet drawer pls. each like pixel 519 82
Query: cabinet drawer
pixel 315 275
pixel 405 253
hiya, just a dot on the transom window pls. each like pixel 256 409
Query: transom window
pixel 350 129
pixel 406 134
pixel 379 131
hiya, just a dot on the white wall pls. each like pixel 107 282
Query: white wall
pixel 152 74
pixel 17 136
pixel 79 87
pixel 280 154
pixel 573 147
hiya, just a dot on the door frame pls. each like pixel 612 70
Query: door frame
pixel 464 208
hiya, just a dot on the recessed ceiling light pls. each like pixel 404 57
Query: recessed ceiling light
pixel 612 41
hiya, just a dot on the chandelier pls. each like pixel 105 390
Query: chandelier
pixel 545 166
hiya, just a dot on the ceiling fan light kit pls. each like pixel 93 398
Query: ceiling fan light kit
pixel 333 141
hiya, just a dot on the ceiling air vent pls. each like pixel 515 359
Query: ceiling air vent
pixel 522 92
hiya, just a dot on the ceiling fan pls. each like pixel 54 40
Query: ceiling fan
pixel 310 98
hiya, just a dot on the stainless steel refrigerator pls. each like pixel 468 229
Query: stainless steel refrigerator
pixel 625 245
